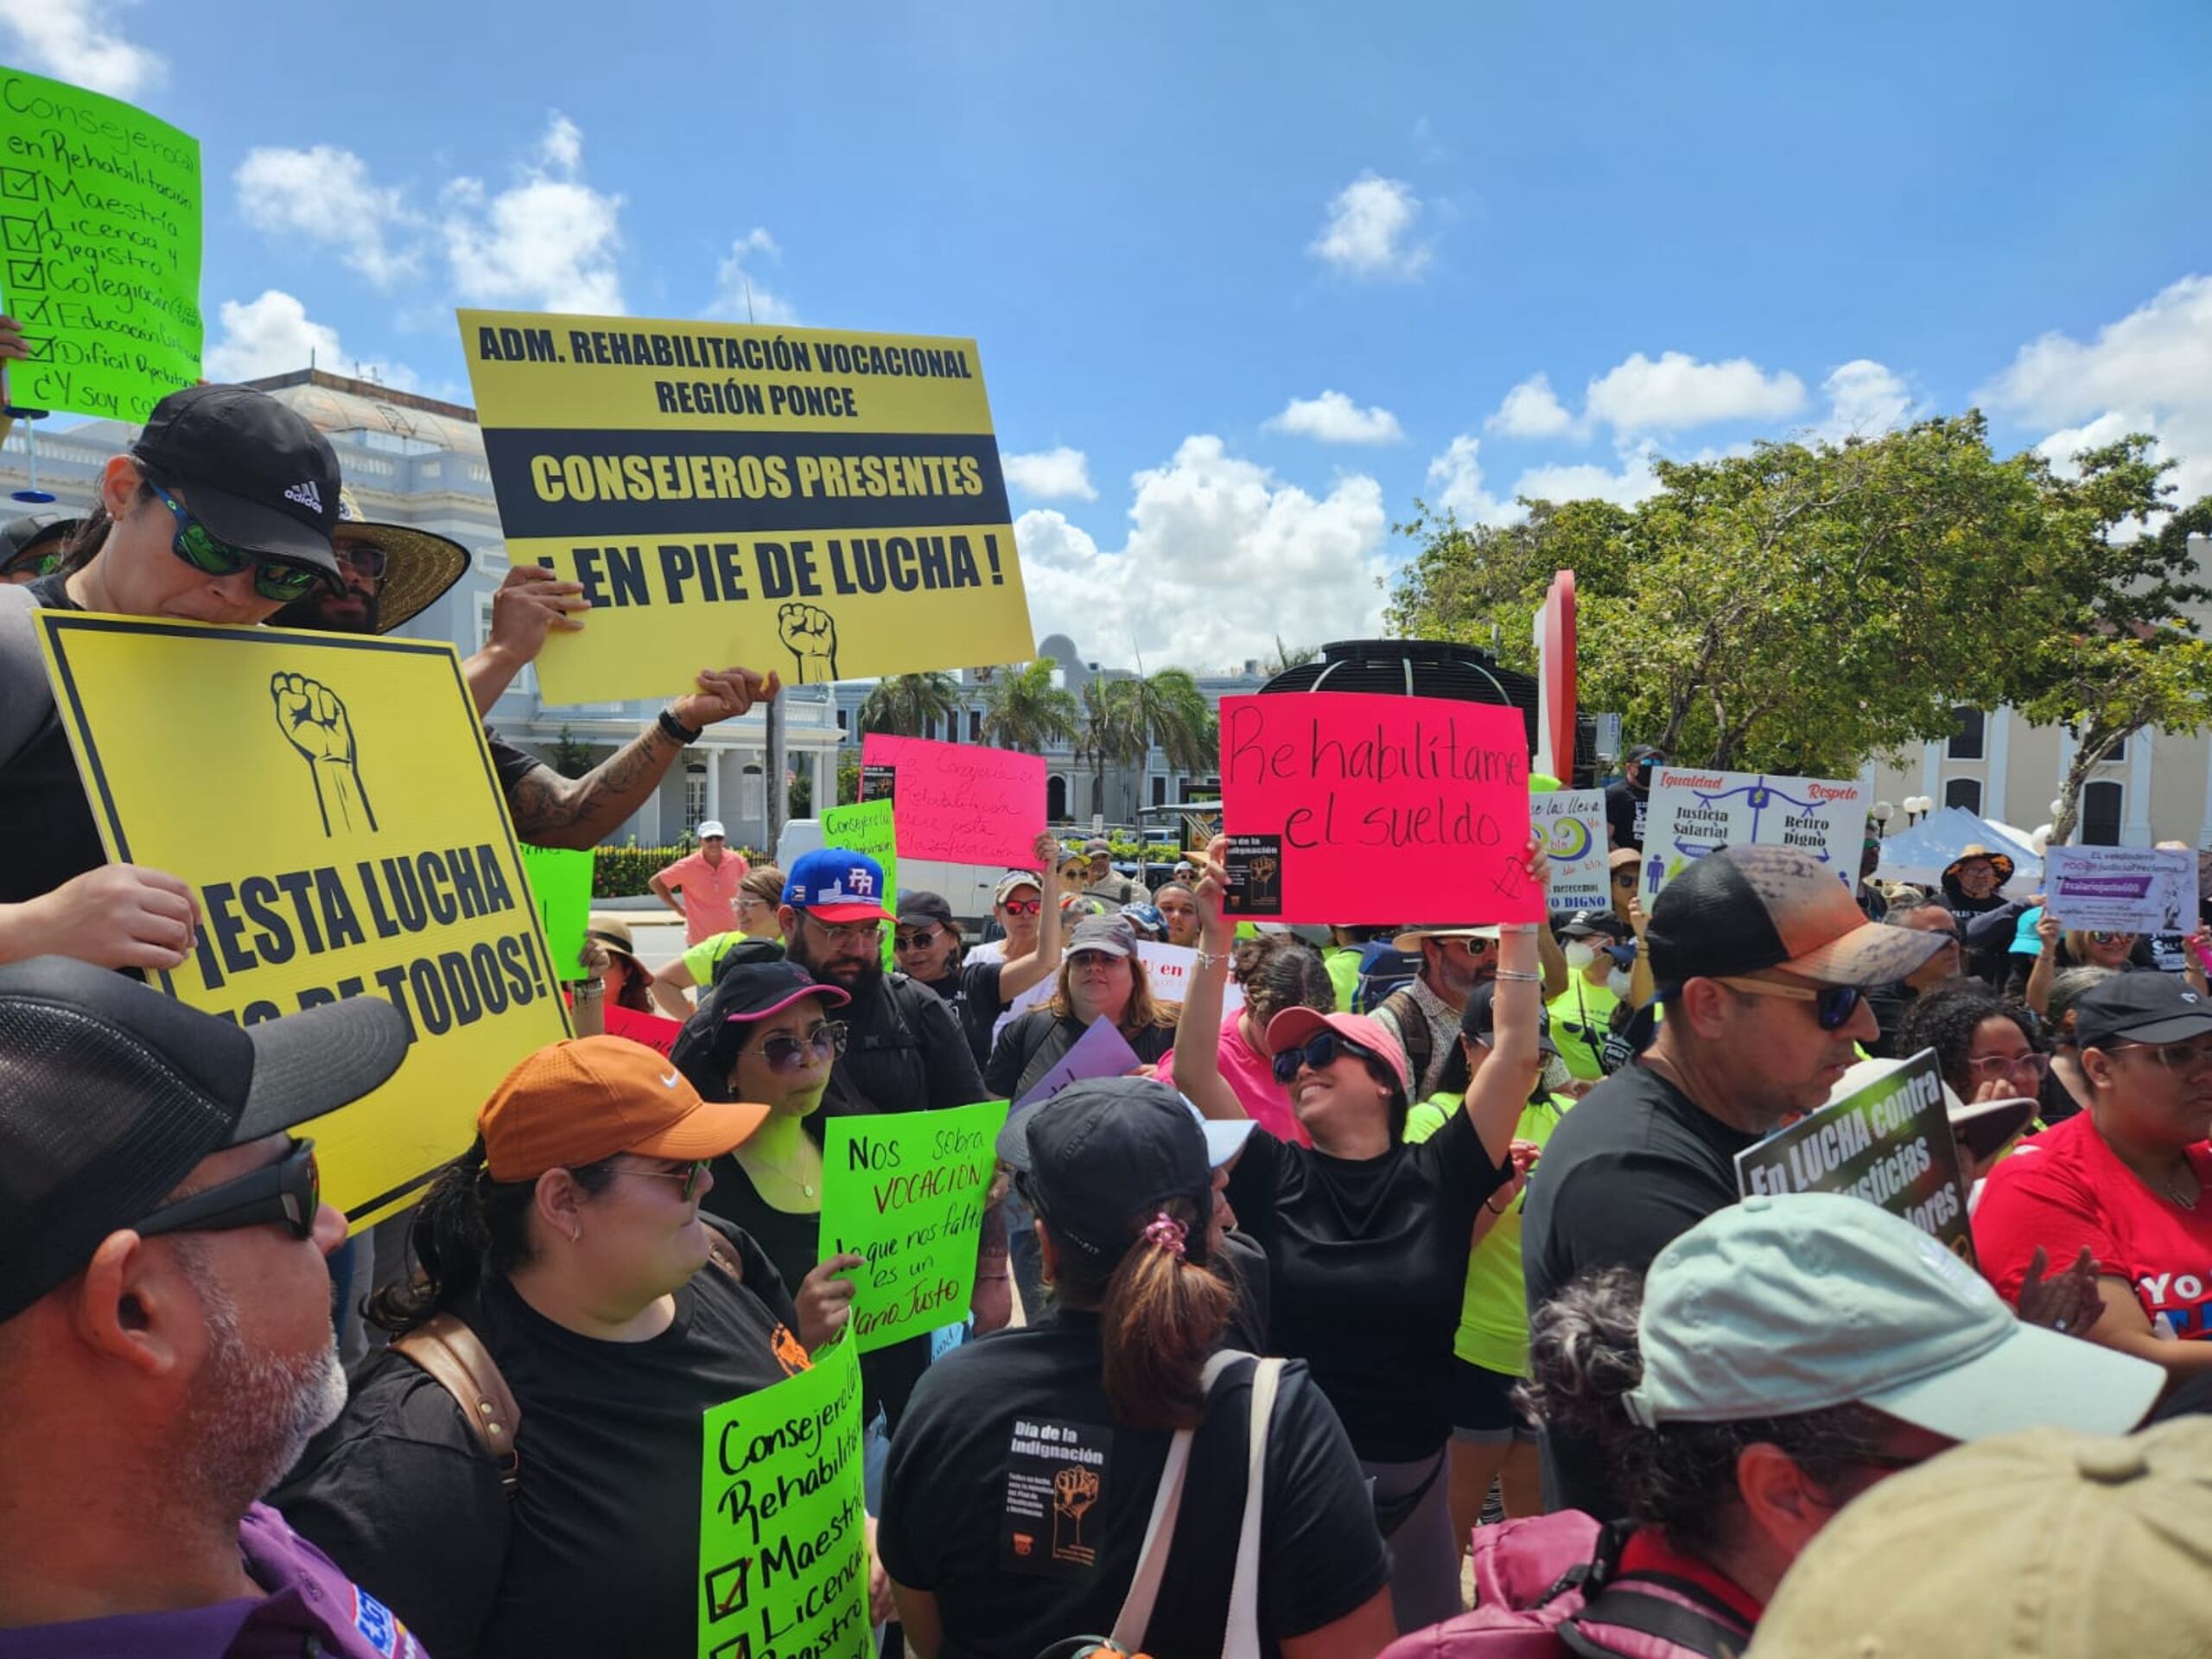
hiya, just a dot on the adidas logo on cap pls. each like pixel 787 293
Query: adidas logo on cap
pixel 307 495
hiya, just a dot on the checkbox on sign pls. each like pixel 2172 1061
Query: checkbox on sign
pixel 21 235
pixel 737 1647
pixel 26 273
pixel 727 1589
pixel 18 184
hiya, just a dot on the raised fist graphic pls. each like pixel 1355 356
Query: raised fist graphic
pixel 313 720
pixel 811 634
pixel 1074 1491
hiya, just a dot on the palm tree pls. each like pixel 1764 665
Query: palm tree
pixel 1025 710
pixel 1287 658
pixel 908 705
pixel 1107 735
pixel 1166 711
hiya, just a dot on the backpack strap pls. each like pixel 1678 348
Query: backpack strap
pixel 1241 1638
pixel 1698 1623
pixel 456 1359
pixel 1414 1035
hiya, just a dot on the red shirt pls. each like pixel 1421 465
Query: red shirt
pixel 2066 1188
pixel 1648 1551
pixel 708 892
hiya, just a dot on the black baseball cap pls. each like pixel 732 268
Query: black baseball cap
pixel 253 470
pixel 2141 1007
pixel 751 981
pixel 924 906
pixel 1104 1150
pixel 1743 909
pixel 110 1092
pixel 1478 1018
pixel 1592 924
pixel 33 537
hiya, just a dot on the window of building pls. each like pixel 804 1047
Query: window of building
pixel 1967 738
pixel 2119 754
pixel 1159 791
pixel 844 724
pixel 1056 799
pixel 752 794
pixel 2101 805
pixel 975 725
pixel 1963 791
pixel 695 793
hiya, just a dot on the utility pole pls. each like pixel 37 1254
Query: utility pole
pixel 779 792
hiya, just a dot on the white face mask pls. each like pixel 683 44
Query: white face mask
pixel 1617 981
pixel 1580 953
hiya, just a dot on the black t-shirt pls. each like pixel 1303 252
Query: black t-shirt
pixel 1032 1044
pixel 598 1552
pixel 511 765
pixel 1367 1267
pixel 791 1242
pixel 1631 1169
pixel 980 1006
pixel 46 822
pixel 1625 809
pixel 957 1505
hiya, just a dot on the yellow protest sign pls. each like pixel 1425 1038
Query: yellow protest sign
pixel 330 799
pixel 825 504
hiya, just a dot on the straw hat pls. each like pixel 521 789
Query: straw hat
pixel 418 566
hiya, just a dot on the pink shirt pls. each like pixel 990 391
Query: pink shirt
pixel 709 894
pixel 1251 1077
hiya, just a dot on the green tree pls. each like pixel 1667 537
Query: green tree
pixel 571 756
pixel 905 705
pixel 1793 610
pixel 848 778
pixel 1123 720
pixel 1287 658
pixel 1106 735
pixel 1023 709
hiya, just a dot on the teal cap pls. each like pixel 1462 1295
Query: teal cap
pixel 2025 942
pixel 1787 1303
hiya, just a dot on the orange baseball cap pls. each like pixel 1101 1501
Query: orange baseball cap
pixel 575 1103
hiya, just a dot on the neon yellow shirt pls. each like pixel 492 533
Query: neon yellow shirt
pixel 1579 1016
pixel 705 956
pixel 1494 1313
pixel 1343 963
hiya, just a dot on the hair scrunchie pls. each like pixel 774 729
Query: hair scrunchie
pixel 1164 1232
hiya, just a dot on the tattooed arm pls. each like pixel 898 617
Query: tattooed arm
pixel 550 811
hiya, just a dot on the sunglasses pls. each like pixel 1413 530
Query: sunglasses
pixel 2102 937
pixel 1833 1005
pixel 1319 1053
pixel 914 941
pixel 198 547
pixel 784 1052
pixel 288 1192
pixel 366 561
pixel 689 1174
pixel 1023 907
pixel 1624 878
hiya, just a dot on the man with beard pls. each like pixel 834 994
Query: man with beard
pixel 165 1341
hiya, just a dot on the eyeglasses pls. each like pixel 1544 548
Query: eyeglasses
pixel 1319 1053
pixel 2185 1059
pixel 915 941
pixel 1023 907
pixel 784 1052
pixel 751 903
pixel 869 935
pixel 2112 938
pixel 198 547
pixel 687 1174
pixel 1988 1064
pixel 366 561
pixel 288 1192
pixel 1833 1005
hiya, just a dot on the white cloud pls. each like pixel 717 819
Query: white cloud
pixel 1633 483
pixel 546 242
pixel 1060 474
pixel 324 196
pixel 1531 410
pixel 76 40
pixel 739 292
pixel 1677 391
pixel 1456 478
pixel 1865 399
pixel 2152 371
pixel 1334 419
pixel 1222 557
pixel 274 335
pixel 1369 232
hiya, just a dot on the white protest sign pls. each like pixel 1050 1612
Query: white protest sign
pixel 1171 966
pixel 1573 823
pixel 2124 889
pixel 1696 813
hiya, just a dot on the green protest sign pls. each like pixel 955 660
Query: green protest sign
pixel 1888 1143
pixel 867 827
pixel 99 250
pixel 560 881
pixel 906 1190
pixel 783 1546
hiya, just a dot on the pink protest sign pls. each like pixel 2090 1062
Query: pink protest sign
pixel 961 802
pixel 1343 807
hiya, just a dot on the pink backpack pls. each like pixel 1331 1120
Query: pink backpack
pixel 1544 1589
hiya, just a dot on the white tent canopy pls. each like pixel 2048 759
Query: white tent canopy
pixel 1919 854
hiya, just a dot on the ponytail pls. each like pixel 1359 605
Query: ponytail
pixel 467 1229
pixel 1161 1319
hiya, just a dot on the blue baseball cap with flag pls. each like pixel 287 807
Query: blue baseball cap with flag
pixel 836 885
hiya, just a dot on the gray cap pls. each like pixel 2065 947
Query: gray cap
pixel 1782 1305
pixel 1097 845
pixel 1110 934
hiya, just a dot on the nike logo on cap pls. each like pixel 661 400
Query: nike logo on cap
pixel 670 1081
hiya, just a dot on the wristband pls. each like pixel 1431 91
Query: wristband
pixel 1493 1209
pixel 1518 978
pixel 675 730
pixel 1207 958
pixel 1516 928
pixel 592 992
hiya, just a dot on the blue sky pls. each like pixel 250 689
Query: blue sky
pixel 1245 280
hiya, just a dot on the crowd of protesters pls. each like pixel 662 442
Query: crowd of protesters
pixel 1383 1280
